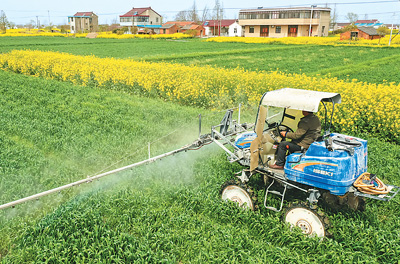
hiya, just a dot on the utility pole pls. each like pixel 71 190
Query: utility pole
pixel 37 23
pixel 391 30
pixel 48 13
pixel 312 9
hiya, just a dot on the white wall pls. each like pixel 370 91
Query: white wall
pixel 232 30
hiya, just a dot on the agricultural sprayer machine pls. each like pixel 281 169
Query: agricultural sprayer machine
pixel 332 170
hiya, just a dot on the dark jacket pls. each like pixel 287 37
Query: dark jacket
pixel 308 130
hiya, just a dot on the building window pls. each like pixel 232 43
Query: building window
pixel 72 28
pixel 235 30
pixel 157 19
pixel 323 29
pixel 354 35
pixel 283 14
pixel 278 29
pixel 251 29
pixel 164 31
pixel 126 19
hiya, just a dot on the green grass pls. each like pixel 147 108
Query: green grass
pixel 362 63
pixel 53 133
pixel 55 129
pixel 169 211
pixel 125 48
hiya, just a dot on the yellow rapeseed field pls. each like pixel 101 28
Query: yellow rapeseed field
pixel 144 36
pixel 334 41
pixel 366 107
pixel 109 35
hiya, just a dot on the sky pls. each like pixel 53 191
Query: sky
pixel 57 12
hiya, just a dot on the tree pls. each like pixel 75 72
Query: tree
pixel 349 27
pixel 218 15
pixel 204 14
pixel 218 12
pixel 352 17
pixel 382 31
pixel 333 19
pixel 182 16
pixel 188 15
pixel 193 16
pixel 11 24
pixel 31 24
pixel 3 22
pixel 64 28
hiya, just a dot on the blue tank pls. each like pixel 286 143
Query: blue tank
pixel 335 170
pixel 244 140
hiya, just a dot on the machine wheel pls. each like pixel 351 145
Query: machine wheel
pixel 311 222
pixel 238 192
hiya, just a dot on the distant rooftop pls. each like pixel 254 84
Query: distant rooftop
pixel 83 14
pixel 286 9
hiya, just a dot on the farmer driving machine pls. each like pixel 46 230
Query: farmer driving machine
pixel 333 169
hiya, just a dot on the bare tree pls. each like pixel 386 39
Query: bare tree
pixel 333 18
pixel 31 24
pixel 3 22
pixel 352 17
pixel 218 15
pixel 218 12
pixel 204 14
pixel 11 24
pixel 193 16
pixel 188 15
pixel 182 16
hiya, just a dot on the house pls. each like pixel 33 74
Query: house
pixel 392 26
pixel 340 26
pixel 169 29
pixel 224 27
pixel 83 22
pixel 285 22
pixel 145 18
pixel 195 29
pixel 180 24
pixel 359 23
pixel 361 32
pixel 368 23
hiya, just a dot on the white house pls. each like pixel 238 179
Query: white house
pixel 224 27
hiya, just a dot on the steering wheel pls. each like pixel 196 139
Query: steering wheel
pixel 283 128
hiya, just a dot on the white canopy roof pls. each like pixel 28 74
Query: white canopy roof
pixel 298 99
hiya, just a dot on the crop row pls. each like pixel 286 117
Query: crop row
pixel 218 53
pixel 100 35
pixel 366 107
pixel 334 41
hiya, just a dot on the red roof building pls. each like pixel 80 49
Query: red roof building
pixel 361 32
pixel 223 27
pixel 194 29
